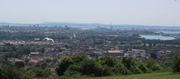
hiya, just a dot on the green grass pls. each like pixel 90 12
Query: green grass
pixel 163 75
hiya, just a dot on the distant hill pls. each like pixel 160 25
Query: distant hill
pixel 95 25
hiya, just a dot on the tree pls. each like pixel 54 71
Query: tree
pixel 107 60
pixel 63 65
pixel 22 49
pixel 176 65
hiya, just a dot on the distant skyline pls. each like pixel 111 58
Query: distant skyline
pixel 137 12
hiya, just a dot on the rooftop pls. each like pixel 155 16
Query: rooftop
pixel 115 51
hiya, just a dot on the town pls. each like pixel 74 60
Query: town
pixel 50 43
pixel 90 39
pixel 35 46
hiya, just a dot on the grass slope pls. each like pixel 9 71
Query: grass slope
pixel 164 75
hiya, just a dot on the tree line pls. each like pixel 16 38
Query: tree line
pixel 83 66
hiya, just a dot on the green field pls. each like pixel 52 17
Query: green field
pixel 164 75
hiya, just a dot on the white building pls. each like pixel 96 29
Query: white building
pixel 48 39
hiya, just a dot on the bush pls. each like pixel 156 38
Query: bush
pixel 153 65
pixel 135 70
pixel 156 67
pixel 107 60
pixel 176 65
pixel 73 70
pixel 92 68
pixel 120 69
pixel 106 70
pixel 143 67
pixel 63 65
pixel 35 72
pixel 9 72
pixel 81 65
pixel 28 74
pixel 78 59
pixel 128 62
pixel 41 72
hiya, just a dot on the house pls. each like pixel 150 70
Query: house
pixel 163 53
pixel 37 39
pixel 34 55
pixel 138 53
pixel 96 54
pixel 35 58
pixel 35 61
pixel 19 63
pixel 116 53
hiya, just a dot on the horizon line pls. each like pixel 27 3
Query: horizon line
pixel 116 24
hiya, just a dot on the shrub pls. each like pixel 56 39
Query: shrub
pixel 73 70
pixel 28 74
pixel 120 69
pixel 41 72
pixel 106 70
pixel 35 72
pixel 156 67
pixel 153 65
pixel 92 68
pixel 128 62
pixel 79 58
pixel 135 70
pixel 107 60
pixel 143 67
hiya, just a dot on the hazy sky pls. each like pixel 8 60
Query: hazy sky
pixel 144 12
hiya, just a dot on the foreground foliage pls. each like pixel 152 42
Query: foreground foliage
pixel 104 66
pixel 80 66
pixel 176 66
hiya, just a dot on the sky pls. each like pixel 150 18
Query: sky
pixel 138 12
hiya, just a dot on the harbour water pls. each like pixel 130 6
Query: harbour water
pixel 157 37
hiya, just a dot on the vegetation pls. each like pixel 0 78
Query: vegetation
pixel 9 72
pixel 176 66
pixel 162 75
pixel 19 42
pixel 83 66
pixel 63 65
pixel 105 66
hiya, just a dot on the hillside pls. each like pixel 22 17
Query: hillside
pixel 163 75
